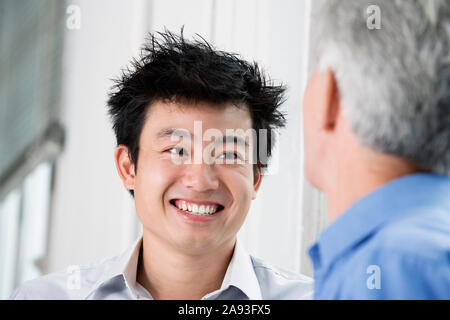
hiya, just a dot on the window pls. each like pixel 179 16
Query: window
pixel 31 137
pixel 30 60
pixel 23 230
pixel 9 227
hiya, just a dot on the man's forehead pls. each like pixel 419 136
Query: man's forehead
pixel 226 116
pixel 166 120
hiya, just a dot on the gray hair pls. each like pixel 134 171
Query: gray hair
pixel 394 81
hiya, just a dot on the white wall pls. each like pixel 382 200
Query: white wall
pixel 92 215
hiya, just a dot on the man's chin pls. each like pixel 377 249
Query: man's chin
pixel 196 245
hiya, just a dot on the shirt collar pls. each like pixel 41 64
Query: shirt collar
pixel 386 203
pixel 125 266
pixel 240 272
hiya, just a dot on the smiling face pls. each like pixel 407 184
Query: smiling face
pixel 192 206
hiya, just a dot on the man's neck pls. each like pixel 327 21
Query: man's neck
pixel 358 177
pixel 168 273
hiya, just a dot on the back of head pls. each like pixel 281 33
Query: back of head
pixel 394 82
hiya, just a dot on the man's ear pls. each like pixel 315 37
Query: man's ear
pixel 256 180
pixel 330 100
pixel 125 166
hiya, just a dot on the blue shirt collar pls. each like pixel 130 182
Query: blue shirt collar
pixel 366 215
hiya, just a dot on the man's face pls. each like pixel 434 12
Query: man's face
pixel 164 180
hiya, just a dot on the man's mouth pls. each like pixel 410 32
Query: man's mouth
pixel 200 208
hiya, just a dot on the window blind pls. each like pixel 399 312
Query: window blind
pixel 31 44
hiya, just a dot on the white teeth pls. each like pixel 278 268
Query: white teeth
pixel 197 209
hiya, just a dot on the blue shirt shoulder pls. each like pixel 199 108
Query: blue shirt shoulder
pixel 408 259
pixel 392 244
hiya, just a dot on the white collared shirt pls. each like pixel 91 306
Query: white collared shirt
pixel 115 278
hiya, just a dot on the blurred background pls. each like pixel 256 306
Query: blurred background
pixel 61 200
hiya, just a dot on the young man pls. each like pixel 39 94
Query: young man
pixel 181 118
pixel 377 134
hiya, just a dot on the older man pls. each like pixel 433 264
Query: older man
pixel 377 134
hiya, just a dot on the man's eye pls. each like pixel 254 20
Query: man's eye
pixel 178 151
pixel 229 155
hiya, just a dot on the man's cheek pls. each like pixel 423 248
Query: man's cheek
pixel 156 175
pixel 243 187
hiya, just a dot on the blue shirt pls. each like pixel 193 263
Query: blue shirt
pixel 392 244
pixel 115 278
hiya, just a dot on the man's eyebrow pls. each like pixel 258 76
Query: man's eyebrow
pixel 171 132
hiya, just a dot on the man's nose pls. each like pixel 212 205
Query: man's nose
pixel 200 177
